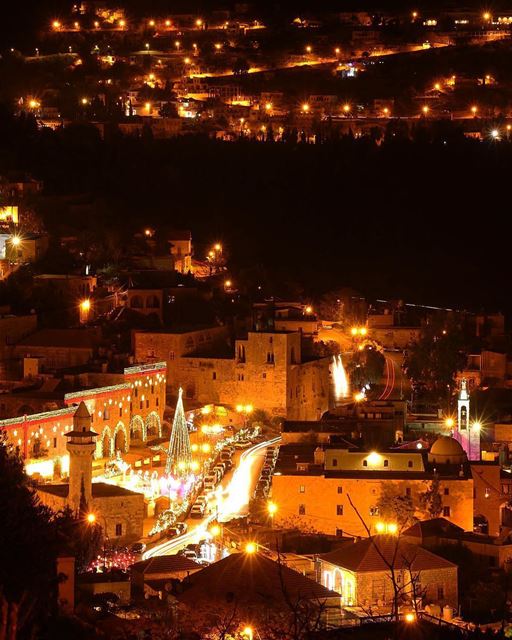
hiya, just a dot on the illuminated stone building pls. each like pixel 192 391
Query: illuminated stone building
pixel 266 370
pixel 312 485
pixel 130 411
pixel 119 511
pixel 360 572
pixel 466 433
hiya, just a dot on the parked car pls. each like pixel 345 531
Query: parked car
pixel 188 553
pixel 138 547
pixel 182 527
pixel 202 499
pixel 172 532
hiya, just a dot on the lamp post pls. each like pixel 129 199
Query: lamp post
pixel 92 519
pixel 272 510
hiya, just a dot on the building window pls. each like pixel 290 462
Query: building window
pixel 339 509
pixel 119 529
pixel 409 464
pixel 152 389
pixel 302 489
pixel 120 412
pixel 505 489
pixel 408 492
pixel 172 355
pixel 340 489
pixel 446 491
pixel 365 463
pixel 446 512
pixel 106 414
pixel 440 592
pixel 264 376
pixel 374 511
pixel 386 463
pixel 214 375
pixel 335 462
pixel 55 443
pixel 141 405
pixel 136 392
pixel 302 509
pixel 339 533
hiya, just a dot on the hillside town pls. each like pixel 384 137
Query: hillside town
pixel 255 357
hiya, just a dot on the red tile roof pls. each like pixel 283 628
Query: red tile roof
pixel 251 578
pixel 378 552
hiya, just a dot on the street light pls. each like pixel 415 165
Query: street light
pixel 251 548
pixel 305 107
pixel 91 518
pixel 410 617
pixel 249 632
pixel 15 241
pixel 449 422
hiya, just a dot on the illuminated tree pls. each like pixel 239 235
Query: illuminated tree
pixel 179 454
pixel 431 499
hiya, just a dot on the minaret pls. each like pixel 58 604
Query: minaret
pixel 179 455
pixel 466 434
pixel 81 446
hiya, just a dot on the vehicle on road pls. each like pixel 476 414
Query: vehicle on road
pixel 197 510
pixel 138 547
pixel 182 527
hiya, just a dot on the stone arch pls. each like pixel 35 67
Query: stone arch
pixel 105 444
pixel 24 410
pixel 338 581
pixel 137 429
pixel 153 425
pixel 137 302
pixel 120 438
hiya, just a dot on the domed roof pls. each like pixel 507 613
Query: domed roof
pixel 446 446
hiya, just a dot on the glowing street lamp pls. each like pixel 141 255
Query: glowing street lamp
pixel 495 134
pixel 56 25
pixel 410 617
pixel 425 109
pixel 151 23
pixel 414 15
pixel 91 518
pixel 386 112
pixel 249 632
pixel 177 44
pixel 199 23
pixel 486 16
pixel 308 310
pixel 15 241
pixel 85 307
pixel 359 397
pixel 218 46
pixel 251 548
pixel 477 425
pixel 167 23
pixel 215 530
pixel 474 110
pixel 305 107
pixel 308 49
pixel 449 422
pixel 346 108
pixel 122 24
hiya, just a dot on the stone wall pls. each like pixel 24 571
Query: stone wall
pixel 321 496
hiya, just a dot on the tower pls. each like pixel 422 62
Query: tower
pixel 468 435
pixel 179 454
pixel 80 445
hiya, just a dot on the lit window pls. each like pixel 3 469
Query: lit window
pixel 302 509
pixel 446 512
pixel 339 509
pixel 302 489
